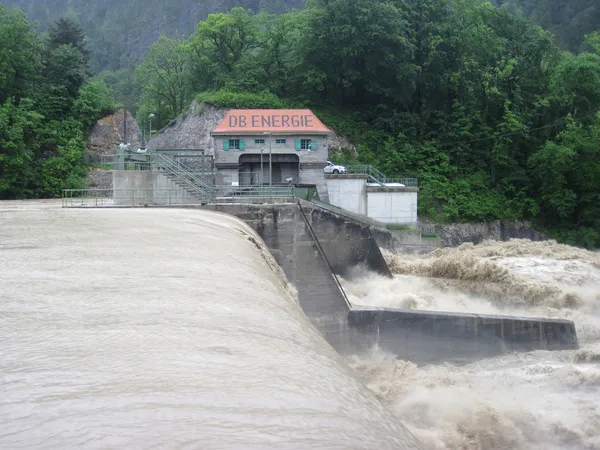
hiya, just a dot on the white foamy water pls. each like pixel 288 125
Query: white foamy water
pixel 163 328
pixel 538 400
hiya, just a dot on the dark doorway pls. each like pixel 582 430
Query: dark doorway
pixel 285 169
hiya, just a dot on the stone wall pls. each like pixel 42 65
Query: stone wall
pixel 108 133
pixel 453 235
pixel 104 140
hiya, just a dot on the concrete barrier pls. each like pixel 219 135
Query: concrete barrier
pixel 429 336
pixel 346 241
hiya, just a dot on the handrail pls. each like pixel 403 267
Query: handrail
pixel 380 178
pixel 337 210
pixel 322 253
pixel 183 173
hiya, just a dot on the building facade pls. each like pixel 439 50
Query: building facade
pixel 271 146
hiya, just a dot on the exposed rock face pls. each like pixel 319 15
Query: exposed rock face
pixel 109 133
pixel 104 141
pixel 455 234
pixel 192 129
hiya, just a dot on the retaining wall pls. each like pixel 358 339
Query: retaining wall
pixel 428 337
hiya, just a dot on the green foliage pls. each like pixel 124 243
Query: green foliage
pixel 46 108
pixel 243 100
pixel 66 31
pixel 20 54
pixel 593 40
pixel 164 78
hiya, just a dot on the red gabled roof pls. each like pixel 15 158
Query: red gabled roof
pixel 284 121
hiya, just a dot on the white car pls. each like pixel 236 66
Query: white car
pixel 334 168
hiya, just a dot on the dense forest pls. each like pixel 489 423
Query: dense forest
pixel 493 117
pixel 121 31
pixel 47 106
pixel 497 117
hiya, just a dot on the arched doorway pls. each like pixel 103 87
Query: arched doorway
pixel 285 169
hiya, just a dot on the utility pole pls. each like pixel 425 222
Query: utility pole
pixel 124 125
pixel 261 167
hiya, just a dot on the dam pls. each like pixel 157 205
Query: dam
pixel 168 328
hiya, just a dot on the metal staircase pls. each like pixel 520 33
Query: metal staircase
pixel 198 184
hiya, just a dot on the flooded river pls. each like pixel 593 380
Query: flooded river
pixel 532 401
pixel 170 329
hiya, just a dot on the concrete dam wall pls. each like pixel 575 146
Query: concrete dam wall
pixel 140 327
pixel 311 244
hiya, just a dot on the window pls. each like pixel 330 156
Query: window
pixel 259 141
pixel 234 144
pixel 280 141
pixel 306 144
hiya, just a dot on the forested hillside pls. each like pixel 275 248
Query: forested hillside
pixel 569 20
pixel 120 31
pixel 491 115
pixel 47 106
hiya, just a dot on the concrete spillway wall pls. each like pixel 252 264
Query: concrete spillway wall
pixel 311 244
pixel 285 232
pixel 428 337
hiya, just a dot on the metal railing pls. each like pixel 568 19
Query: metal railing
pixel 337 210
pixel 139 197
pixel 323 255
pixel 196 183
pixel 380 178
pixel 255 194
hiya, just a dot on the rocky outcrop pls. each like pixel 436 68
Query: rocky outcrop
pixel 453 235
pixel 192 129
pixel 104 140
pixel 109 132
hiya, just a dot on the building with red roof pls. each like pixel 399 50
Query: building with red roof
pixel 271 146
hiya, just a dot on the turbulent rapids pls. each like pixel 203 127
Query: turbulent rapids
pixel 538 400
pixel 167 329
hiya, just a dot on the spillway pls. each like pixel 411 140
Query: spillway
pixel 165 328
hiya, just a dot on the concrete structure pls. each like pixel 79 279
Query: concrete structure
pixel 144 187
pixel 386 204
pixel 348 191
pixel 392 205
pixel 312 243
pixel 264 146
pixel 428 337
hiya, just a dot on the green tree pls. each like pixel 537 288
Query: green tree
pixel 20 55
pixel 66 31
pixel 164 78
pixel 359 52
pixel 221 44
